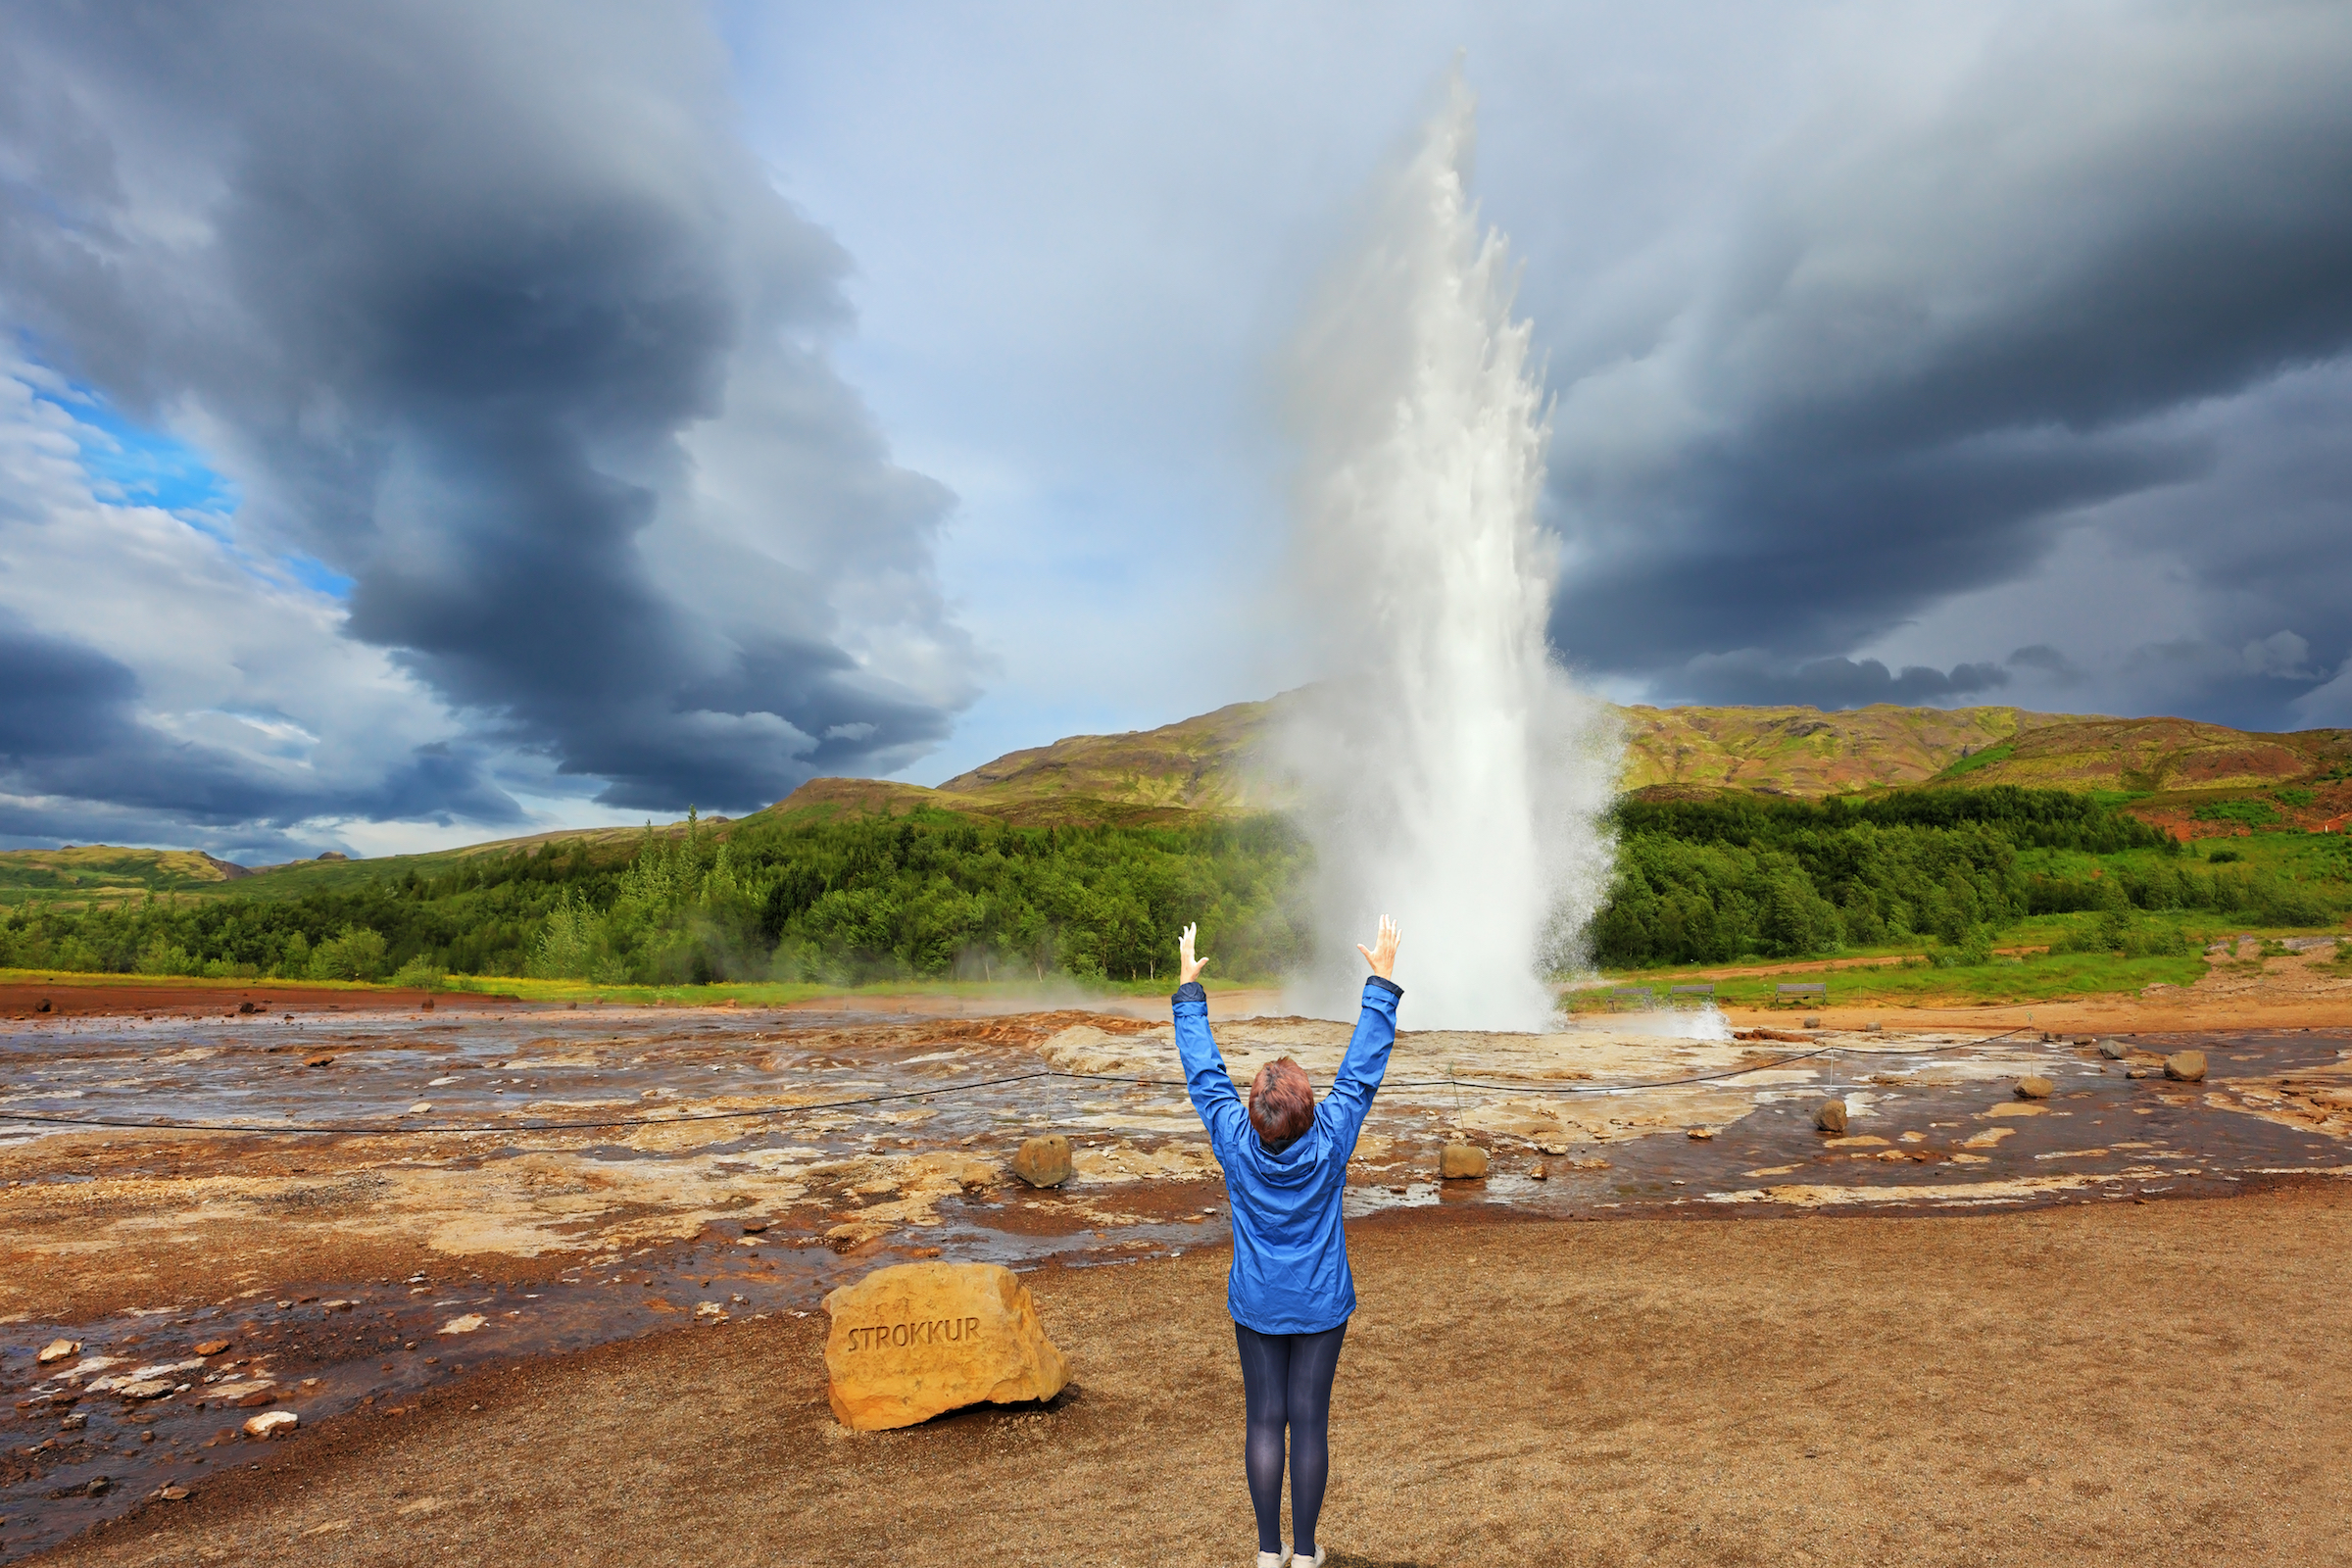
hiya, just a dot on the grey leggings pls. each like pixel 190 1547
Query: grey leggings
pixel 1286 1379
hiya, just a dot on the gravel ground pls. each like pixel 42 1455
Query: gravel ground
pixel 2125 1384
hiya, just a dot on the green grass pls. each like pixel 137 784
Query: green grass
pixel 2038 977
pixel 1057 990
pixel 231 985
pixel 1999 753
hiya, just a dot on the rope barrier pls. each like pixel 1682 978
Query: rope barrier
pixel 541 1125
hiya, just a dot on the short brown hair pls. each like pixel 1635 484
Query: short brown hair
pixel 1282 1102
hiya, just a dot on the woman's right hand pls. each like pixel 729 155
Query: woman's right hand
pixel 1188 967
pixel 1382 954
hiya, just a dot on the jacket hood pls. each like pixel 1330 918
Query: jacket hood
pixel 1299 1159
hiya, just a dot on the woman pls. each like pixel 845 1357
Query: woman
pixel 1289 1293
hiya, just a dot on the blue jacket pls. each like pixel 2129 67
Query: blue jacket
pixel 1289 1255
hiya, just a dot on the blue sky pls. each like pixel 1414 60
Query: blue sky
pixel 683 400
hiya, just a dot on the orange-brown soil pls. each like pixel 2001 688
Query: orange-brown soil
pixel 2117 1384
pixel 92 995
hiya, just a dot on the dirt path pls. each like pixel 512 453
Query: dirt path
pixel 2120 1383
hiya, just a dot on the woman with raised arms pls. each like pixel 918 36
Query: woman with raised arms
pixel 1286 1169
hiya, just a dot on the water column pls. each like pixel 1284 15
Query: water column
pixel 1452 775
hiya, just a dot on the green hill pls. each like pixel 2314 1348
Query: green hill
pixel 2192 779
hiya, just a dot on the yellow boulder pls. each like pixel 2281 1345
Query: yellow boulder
pixel 1461 1162
pixel 915 1340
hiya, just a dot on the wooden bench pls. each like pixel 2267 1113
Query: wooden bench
pixel 1638 996
pixel 1799 991
pixel 1707 991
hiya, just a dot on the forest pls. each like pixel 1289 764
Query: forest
pixel 934 895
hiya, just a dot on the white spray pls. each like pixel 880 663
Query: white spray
pixel 1450 775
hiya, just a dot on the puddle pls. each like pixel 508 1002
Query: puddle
pixel 582 1176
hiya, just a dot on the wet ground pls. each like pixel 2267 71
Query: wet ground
pixel 503 1184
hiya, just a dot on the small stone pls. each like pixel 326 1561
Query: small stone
pixel 914 1340
pixel 2186 1067
pixel 421 1107
pixel 2035 1087
pixel 276 1423
pixel 75 1422
pixel 244 1006
pixel 41 1006
pixel 173 1493
pixel 1541 1173
pixel 211 1347
pixel 754 1227
pixel 1870 1028
pixel 466 1323
pixel 2112 1050
pixel 2139 1072
pixel 1698 1134
pixel 145 1388
pixel 57 1351
pixel 1831 1117
pixel 99 1485
pixel 323 1059
pixel 1044 1160
pixel 1461 1162
pixel 1813 1020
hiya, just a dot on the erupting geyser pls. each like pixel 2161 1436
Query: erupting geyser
pixel 1451 776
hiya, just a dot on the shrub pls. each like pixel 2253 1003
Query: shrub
pixel 2252 813
pixel 357 955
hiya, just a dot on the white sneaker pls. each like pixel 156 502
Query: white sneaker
pixel 1300 1562
pixel 1273 1559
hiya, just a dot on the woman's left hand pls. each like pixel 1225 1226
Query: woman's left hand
pixel 1188 967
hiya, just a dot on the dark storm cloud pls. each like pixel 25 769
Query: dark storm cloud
pixel 1935 336
pixel 1832 683
pixel 460 287
pixel 64 700
pixel 76 753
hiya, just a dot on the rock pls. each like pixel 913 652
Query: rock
pixel 41 1006
pixel 1870 1028
pixel 1044 1162
pixel 2139 1072
pixel 173 1493
pixel 211 1347
pixel 2188 1066
pixel 2112 1050
pixel 754 1227
pixel 275 1424
pixel 145 1388
pixel 465 1323
pixel 426 1005
pixel 99 1485
pixel 421 1107
pixel 2035 1087
pixel 1698 1134
pixel 75 1422
pixel 914 1340
pixel 1813 1020
pixel 1542 1173
pixel 1461 1162
pixel 1830 1117
pixel 244 1006
pixel 323 1059
pixel 57 1351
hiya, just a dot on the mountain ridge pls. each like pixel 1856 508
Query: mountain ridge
pixel 2169 772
